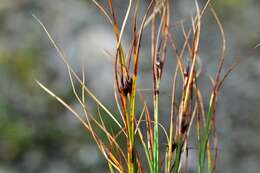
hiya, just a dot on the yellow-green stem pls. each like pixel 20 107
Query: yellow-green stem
pixel 156 129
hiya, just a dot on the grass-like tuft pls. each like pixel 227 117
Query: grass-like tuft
pixel 188 109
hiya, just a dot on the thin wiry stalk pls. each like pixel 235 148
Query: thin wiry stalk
pixel 213 101
pixel 171 140
pixel 157 73
pixel 124 23
pixel 187 92
pixel 99 143
pixel 103 11
pixel 102 126
pixel 64 59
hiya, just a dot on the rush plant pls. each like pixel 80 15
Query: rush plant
pixel 190 111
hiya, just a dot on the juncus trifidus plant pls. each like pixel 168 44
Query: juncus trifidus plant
pixel 186 110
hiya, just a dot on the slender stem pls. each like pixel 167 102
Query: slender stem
pixel 156 130
pixel 178 155
pixel 206 133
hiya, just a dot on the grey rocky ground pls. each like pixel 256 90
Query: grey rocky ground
pixel 32 133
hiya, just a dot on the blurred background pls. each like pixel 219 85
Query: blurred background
pixel 38 135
